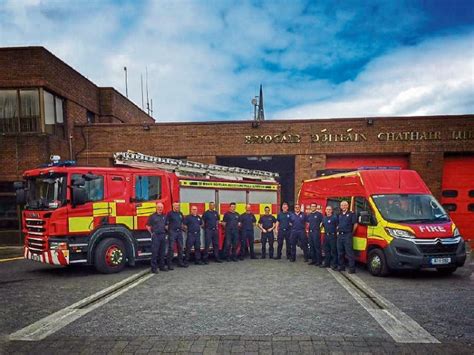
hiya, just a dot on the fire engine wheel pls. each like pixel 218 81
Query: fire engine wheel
pixel 377 264
pixel 110 256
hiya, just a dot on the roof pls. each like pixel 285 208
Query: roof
pixel 365 183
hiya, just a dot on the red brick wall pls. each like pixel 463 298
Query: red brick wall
pixel 200 141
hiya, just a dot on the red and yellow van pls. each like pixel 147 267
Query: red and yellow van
pixel 401 225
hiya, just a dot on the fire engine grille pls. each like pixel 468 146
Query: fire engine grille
pixel 438 248
pixel 35 226
pixel 36 244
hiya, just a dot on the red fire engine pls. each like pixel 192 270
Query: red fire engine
pixel 97 216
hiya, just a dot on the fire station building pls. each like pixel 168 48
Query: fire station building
pixel 46 107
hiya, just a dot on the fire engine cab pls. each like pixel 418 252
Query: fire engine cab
pixel 97 215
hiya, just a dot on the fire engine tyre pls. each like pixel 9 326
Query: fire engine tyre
pixel 110 256
pixel 377 263
pixel 446 270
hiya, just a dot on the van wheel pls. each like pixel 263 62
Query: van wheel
pixel 110 256
pixel 377 264
pixel 446 270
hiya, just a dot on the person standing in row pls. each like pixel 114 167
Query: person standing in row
pixel 156 225
pixel 267 224
pixel 211 233
pixel 247 224
pixel 298 231
pixel 330 230
pixel 231 226
pixel 314 220
pixel 346 226
pixel 174 223
pixel 283 230
pixel 193 225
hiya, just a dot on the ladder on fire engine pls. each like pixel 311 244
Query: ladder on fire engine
pixel 183 167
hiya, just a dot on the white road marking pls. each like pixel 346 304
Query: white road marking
pixel 54 322
pixel 401 327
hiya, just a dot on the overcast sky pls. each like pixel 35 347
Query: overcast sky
pixel 315 59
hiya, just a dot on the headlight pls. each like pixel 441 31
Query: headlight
pixel 456 233
pixel 399 233
pixel 58 246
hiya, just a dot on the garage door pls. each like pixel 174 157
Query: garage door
pixel 458 192
pixel 358 161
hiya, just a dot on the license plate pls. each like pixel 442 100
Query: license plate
pixel 440 261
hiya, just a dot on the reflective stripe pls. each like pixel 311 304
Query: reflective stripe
pixel 80 224
pixel 146 209
pixel 127 220
pixel 359 243
pixel 104 209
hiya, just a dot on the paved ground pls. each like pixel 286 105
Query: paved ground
pixel 255 306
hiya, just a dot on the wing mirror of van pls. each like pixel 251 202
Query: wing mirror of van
pixel 366 218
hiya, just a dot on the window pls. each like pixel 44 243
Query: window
pixel 471 193
pixel 54 114
pixel 94 188
pixel 19 110
pixel 335 203
pixel 148 188
pixel 90 117
pixel 470 207
pixel 361 205
pixel 449 193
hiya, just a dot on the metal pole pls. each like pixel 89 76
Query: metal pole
pixel 141 81
pixel 126 81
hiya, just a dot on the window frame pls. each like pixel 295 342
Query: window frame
pixel 16 122
pixel 58 128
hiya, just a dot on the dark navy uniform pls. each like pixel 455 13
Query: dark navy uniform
pixel 193 224
pixel 314 220
pixel 211 234
pixel 174 220
pixel 345 226
pixel 247 238
pixel 231 220
pixel 157 223
pixel 284 230
pixel 330 248
pixel 267 221
pixel 298 231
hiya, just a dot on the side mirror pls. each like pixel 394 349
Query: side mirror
pixel 90 177
pixel 79 196
pixel 17 185
pixel 365 218
pixel 20 197
pixel 78 182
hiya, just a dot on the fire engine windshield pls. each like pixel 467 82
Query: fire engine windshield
pixel 46 191
pixel 410 208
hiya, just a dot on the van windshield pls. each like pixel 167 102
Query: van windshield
pixel 410 208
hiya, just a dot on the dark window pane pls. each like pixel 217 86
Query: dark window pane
pixel 29 110
pixel 148 188
pixel 8 111
pixel 449 193
pixel 470 207
pixel 471 193
pixel 450 207
pixel 94 188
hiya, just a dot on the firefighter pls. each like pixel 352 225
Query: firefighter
pixel 283 230
pixel 174 222
pixel 346 226
pixel 314 220
pixel 211 233
pixel 156 226
pixel 247 222
pixel 193 224
pixel 330 229
pixel 267 224
pixel 231 226
pixel 298 226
